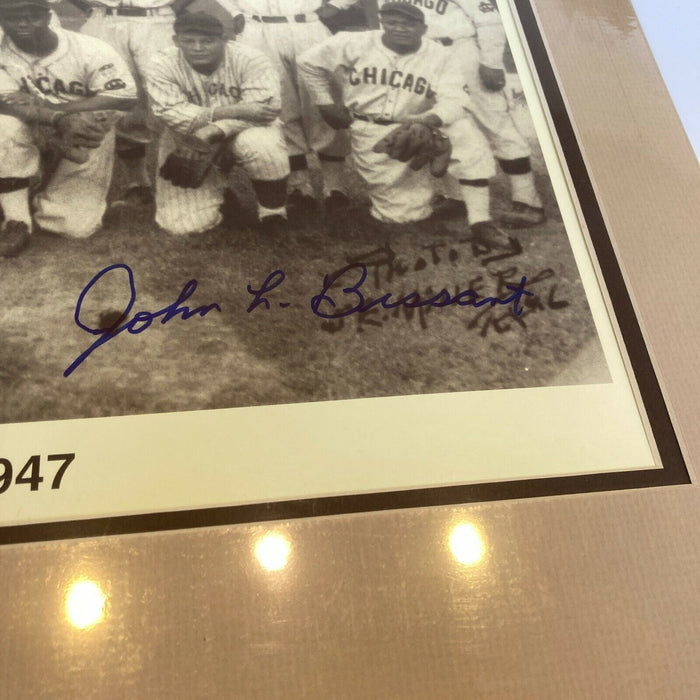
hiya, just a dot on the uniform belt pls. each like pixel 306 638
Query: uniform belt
pixel 373 120
pixel 133 11
pixel 279 19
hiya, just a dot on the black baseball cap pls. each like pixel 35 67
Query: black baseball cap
pixel 403 8
pixel 197 23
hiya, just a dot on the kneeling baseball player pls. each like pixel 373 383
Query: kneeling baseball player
pixel 220 101
pixel 60 96
pixel 400 98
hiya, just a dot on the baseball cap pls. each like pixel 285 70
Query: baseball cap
pixel 197 23
pixel 403 8
pixel 16 4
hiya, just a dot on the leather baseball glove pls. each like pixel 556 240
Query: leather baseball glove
pixel 73 136
pixel 189 164
pixel 418 145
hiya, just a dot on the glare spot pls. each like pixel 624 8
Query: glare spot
pixel 85 604
pixel 272 551
pixel 467 544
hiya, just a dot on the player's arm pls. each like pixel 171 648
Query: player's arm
pixel 18 103
pixel 109 82
pixel 491 37
pixel 259 103
pixel 170 103
pixel 317 67
pixel 449 98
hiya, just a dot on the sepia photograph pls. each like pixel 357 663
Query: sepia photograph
pixel 216 204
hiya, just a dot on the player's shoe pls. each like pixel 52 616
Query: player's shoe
pixel 134 196
pixel 336 200
pixel 448 208
pixel 14 238
pixel 273 225
pixel 487 233
pixel 299 204
pixel 522 215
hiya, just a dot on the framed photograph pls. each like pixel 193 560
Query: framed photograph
pixel 404 333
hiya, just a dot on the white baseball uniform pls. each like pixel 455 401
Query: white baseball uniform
pixel 476 33
pixel 75 198
pixel 137 29
pixel 284 29
pixel 382 85
pixel 184 100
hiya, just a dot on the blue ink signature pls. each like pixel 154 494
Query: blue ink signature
pixel 357 274
pixel 140 321
pixel 274 279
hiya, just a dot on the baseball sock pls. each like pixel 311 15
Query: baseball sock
pixel 136 172
pixel 299 175
pixel 477 197
pixel 522 180
pixel 15 205
pixel 523 189
pixel 272 195
pixel 334 174
pixel 264 212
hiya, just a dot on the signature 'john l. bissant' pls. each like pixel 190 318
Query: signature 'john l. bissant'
pixel 341 295
pixel 140 321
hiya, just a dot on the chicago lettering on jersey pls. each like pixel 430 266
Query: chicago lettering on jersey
pixel 46 86
pixel 438 6
pixel 371 75
pixel 213 89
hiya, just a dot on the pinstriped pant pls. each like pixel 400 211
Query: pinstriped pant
pixel 259 150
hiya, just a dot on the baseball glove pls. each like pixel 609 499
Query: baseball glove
pixel 189 164
pixel 75 135
pixel 493 79
pixel 418 145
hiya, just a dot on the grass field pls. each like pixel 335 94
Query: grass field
pixel 287 354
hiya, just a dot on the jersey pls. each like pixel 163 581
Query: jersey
pixel 185 99
pixel 382 84
pixel 80 67
pixel 464 19
pixel 279 8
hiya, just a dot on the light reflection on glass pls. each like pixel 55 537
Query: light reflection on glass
pixel 467 544
pixel 85 604
pixel 272 551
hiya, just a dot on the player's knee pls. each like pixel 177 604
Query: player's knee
pixel 262 149
pixel 174 221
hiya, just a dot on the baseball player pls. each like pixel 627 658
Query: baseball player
pixel 473 32
pixel 137 29
pixel 393 76
pixel 284 29
pixel 60 94
pixel 222 93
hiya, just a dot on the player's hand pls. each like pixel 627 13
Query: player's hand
pixel 20 99
pixel 210 134
pixel 336 116
pixel 82 131
pixel 430 120
pixel 326 11
pixel 493 79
